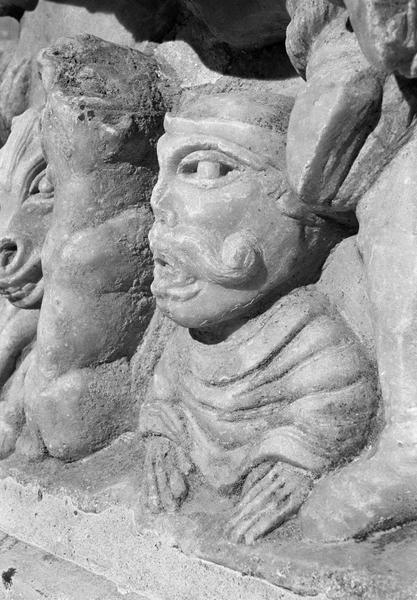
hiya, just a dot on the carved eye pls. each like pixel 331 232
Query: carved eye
pixel 42 185
pixel 207 167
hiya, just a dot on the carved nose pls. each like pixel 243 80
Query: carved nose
pixel 10 255
pixel 162 205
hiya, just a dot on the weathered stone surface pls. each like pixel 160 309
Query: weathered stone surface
pixel 256 378
pixel 387 33
pixel 28 573
pixel 333 115
pixel 83 512
pixel 124 22
pixel 308 19
pixel 343 281
pixel 26 198
pixel 99 129
pixel 380 490
pixel 26 204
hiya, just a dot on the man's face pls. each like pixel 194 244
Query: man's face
pixel 220 240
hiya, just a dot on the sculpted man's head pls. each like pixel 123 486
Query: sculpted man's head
pixel 228 232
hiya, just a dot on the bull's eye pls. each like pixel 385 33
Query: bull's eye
pixel 45 186
pixel 207 167
pixel 42 185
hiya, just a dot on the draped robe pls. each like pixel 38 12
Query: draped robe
pixel 292 385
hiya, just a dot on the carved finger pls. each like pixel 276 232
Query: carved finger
pixel 268 521
pixel 263 485
pixel 163 470
pixel 152 494
pixel 263 522
pixel 255 475
pixel 178 486
pixel 275 492
pixel 242 528
pixel 8 436
pixel 184 463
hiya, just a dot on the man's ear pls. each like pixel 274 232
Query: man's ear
pixel 332 116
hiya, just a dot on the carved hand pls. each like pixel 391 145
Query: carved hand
pixel 271 494
pixel 166 470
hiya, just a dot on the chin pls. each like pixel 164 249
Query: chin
pixel 196 316
pixel 188 313
pixel 180 313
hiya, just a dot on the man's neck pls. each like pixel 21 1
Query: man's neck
pixel 218 333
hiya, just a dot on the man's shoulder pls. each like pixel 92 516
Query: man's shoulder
pixel 299 307
pixel 306 313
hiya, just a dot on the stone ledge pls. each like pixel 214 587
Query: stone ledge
pixel 85 513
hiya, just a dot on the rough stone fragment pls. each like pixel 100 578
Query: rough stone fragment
pixel 382 143
pixel 332 116
pixel 387 33
pixel 44 21
pixel 308 19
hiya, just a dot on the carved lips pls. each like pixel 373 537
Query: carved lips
pixel 21 280
pixel 171 278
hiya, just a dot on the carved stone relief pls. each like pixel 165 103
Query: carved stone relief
pixel 26 203
pixel 98 134
pixel 262 358
pixel 270 220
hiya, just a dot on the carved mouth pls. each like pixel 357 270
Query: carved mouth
pixel 172 279
pixel 23 288
pixel 8 254
pixel 27 296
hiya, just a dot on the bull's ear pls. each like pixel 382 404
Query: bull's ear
pixel 332 116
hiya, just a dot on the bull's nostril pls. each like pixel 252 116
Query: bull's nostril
pixel 7 253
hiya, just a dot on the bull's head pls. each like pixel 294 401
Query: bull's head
pixel 26 199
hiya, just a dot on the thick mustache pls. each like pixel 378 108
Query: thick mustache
pixel 236 262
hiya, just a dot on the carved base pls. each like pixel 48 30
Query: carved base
pixel 85 512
